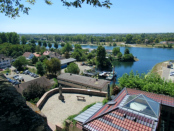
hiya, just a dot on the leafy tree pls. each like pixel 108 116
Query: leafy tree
pixel 128 57
pixel 101 60
pixel 56 45
pixel 126 51
pixel 67 48
pixel 114 44
pixel 34 59
pixel 78 53
pixel 67 55
pixel 156 40
pixel 129 39
pixel 119 55
pixel 90 56
pixel 49 45
pixel 62 44
pixel 40 68
pixel 42 58
pixel 115 51
pixel 33 41
pixel 20 62
pixel 12 8
pixel 45 43
pixel 34 90
pixel 39 43
pixel 53 65
pixel 72 68
pixel 24 40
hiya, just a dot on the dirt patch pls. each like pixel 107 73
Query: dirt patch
pixel 158 68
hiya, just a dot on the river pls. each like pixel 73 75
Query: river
pixel 148 57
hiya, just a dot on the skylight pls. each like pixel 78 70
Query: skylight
pixel 142 104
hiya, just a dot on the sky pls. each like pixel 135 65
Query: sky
pixel 124 16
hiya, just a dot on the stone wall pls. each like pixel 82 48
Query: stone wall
pixel 45 97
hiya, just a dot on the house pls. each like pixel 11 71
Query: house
pixel 46 52
pixel 37 55
pixel 28 55
pixel 56 55
pixel 84 82
pixel 43 81
pixel 131 110
pixel 5 61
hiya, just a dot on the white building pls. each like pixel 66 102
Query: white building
pixel 5 61
pixel 28 55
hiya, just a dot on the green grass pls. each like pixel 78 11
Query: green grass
pixel 33 70
pixel 71 118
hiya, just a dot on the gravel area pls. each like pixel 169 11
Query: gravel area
pixel 57 111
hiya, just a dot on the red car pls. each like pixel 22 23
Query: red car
pixel 1 69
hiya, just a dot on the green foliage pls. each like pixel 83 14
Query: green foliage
pixel 53 65
pixel 33 91
pixel 56 83
pixel 129 39
pixel 35 100
pixel 114 44
pixel 56 45
pixel 126 51
pixel 49 45
pixel 23 40
pixel 101 60
pixel 67 55
pixel 34 60
pixel 20 62
pixel 42 58
pixel 40 68
pixel 45 43
pixel 72 68
pixel 71 118
pixel 104 101
pixel 115 51
pixel 128 57
pixel 150 83
pixel 62 44
pixel 67 48
pixel 79 53
pixel 39 43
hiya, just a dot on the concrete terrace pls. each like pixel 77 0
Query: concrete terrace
pixel 57 111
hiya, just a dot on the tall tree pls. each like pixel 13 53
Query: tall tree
pixel 45 43
pixel 49 45
pixel 39 43
pixel 129 39
pixel 67 48
pixel 126 51
pixel 56 45
pixel 23 40
pixel 115 51
pixel 34 60
pixel 101 56
pixel 40 68
pixel 20 62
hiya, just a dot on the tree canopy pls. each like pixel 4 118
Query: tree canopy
pixel 20 62
pixel 12 8
pixel 72 68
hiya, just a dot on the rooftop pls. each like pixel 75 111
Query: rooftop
pixel 131 109
pixel 42 81
pixel 66 61
pixel 83 80
pixel 27 54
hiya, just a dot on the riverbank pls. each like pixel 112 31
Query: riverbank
pixel 158 68
pixel 122 44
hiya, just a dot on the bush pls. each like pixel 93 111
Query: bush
pixel 105 101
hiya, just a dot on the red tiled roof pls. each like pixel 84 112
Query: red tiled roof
pixel 116 120
pixel 37 55
pixel 27 54
pixel 166 100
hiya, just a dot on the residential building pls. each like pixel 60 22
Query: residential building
pixel 42 81
pixel 84 82
pixel 28 55
pixel 37 55
pixel 56 55
pixel 132 110
pixel 5 61
pixel 46 52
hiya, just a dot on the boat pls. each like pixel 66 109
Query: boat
pixel 111 76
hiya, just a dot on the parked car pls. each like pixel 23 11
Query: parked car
pixel 1 69
pixel 21 72
pixel 171 73
pixel 17 83
pixel 15 76
pixel 17 72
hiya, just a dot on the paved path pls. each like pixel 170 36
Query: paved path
pixel 165 73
